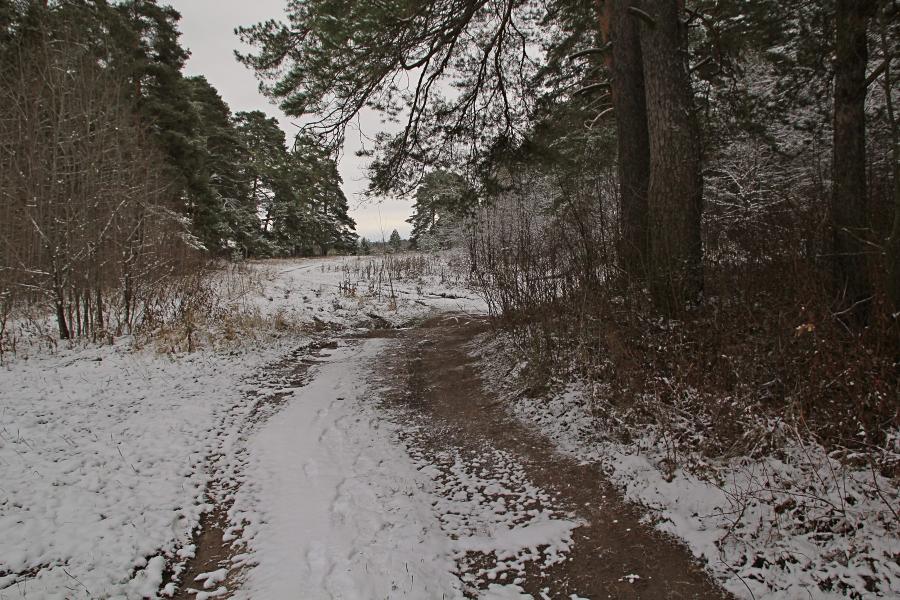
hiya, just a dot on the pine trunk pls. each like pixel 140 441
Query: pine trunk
pixel 628 98
pixel 675 192
pixel 893 248
pixel 893 242
pixel 849 194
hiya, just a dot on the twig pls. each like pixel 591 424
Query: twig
pixel 589 51
pixel 880 493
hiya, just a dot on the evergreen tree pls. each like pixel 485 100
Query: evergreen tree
pixel 328 60
pixel 265 168
pixel 232 223
pixel 395 242
pixel 152 58
pixel 329 225
pixel 240 188
pixel 850 227
pixel 441 197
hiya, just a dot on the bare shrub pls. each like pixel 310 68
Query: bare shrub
pixel 88 226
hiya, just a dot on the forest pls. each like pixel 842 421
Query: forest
pixel 643 339
pixel 120 175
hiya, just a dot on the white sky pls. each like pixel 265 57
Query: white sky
pixel 207 28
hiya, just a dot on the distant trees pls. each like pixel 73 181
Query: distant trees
pixel 395 241
pixel 442 200
pixel 117 170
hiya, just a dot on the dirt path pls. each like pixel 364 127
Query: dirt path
pixel 515 516
pixel 459 428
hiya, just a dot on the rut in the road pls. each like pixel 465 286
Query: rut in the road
pixel 480 456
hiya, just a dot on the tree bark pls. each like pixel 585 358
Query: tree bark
pixel 852 287
pixel 892 250
pixel 675 191
pixel 629 104
pixel 59 299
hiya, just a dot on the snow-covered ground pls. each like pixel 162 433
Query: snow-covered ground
pixel 332 506
pixel 104 449
pixel 110 454
pixel 352 291
pixel 102 464
pixel 799 524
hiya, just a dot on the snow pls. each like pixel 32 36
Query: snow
pixel 501 523
pixel 335 508
pixel 331 506
pixel 350 291
pixel 102 455
pixel 505 592
pixel 110 454
pixel 766 528
pixel 212 578
pixel 507 543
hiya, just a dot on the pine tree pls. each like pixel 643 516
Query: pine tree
pixel 442 197
pixel 849 196
pixel 265 168
pixel 395 242
pixel 675 187
pixel 232 224
pixel 328 60
pixel 151 58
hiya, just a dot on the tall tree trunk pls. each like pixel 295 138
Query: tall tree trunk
pixel 675 192
pixel 625 62
pixel 849 194
pixel 59 299
pixel 893 242
pixel 893 248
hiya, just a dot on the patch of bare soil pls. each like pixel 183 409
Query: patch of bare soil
pixel 462 430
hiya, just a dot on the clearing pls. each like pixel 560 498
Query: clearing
pixel 362 454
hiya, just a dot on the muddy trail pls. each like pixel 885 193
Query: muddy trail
pixel 492 478
pixel 459 428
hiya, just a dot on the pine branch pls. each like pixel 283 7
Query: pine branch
pixel 590 88
pixel 878 71
pixel 589 51
pixel 701 63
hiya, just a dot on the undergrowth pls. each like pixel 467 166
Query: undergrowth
pixel 726 377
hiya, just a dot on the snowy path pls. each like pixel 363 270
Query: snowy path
pixel 310 467
pixel 336 509
pixel 334 499
pixel 387 475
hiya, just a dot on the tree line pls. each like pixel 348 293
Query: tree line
pixel 672 82
pixel 119 173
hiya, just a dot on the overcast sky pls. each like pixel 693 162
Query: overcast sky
pixel 207 28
